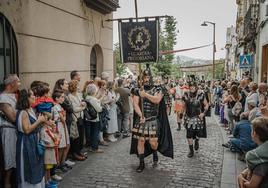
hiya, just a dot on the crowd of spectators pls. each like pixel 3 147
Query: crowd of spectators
pixel 242 108
pixel 45 129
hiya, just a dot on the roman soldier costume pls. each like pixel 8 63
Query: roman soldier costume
pixel 156 126
pixel 195 126
pixel 179 105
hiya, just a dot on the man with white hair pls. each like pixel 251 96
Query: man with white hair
pixel 105 76
pixel 8 134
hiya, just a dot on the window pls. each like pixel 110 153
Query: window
pixel 8 49
pixel 93 64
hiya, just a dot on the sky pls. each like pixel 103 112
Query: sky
pixel 190 14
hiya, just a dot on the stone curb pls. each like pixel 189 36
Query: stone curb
pixel 231 167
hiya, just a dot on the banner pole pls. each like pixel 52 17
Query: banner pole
pixel 140 79
pixel 136 15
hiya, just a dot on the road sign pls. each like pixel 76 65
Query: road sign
pixel 246 61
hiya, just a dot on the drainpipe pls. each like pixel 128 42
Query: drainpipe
pixel 266 4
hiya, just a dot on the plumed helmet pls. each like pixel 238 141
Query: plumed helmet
pixel 147 72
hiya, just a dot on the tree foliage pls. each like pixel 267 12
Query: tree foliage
pixel 219 70
pixel 167 41
pixel 120 66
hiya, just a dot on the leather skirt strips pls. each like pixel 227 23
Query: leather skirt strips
pixel 147 130
pixel 194 123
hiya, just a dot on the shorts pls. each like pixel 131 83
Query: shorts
pixel 49 166
pixel 193 134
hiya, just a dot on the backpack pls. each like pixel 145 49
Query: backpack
pixel 90 113
pixel 120 103
pixel 236 110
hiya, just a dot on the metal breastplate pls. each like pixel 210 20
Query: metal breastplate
pixel 150 109
pixel 193 107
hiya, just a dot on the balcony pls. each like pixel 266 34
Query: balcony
pixel 103 6
pixel 250 22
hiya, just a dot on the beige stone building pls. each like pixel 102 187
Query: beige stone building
pixel 231 64
pixel 252 31
pixel 46 39
pixel 262 46
pixel 246 29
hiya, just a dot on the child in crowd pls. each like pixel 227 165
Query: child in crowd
pixel 43 102
pixel 51 138
pixel 59 117
pixel 256 174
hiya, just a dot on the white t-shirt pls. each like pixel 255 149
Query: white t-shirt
pixel 7 98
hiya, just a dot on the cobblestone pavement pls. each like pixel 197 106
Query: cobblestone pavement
pixel 116 168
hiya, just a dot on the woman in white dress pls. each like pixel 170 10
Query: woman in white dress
pixel 112 123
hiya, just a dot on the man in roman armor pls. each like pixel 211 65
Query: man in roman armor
pixel 196 107
pixel 179 106
pixel 151 131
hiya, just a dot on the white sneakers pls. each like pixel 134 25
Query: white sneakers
pixel 111 138
pixel 69 163
pixel 56 177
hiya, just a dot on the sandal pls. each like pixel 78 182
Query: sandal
pixel 78 157
pixel 83 155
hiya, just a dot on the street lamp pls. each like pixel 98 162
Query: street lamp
pixel 205 23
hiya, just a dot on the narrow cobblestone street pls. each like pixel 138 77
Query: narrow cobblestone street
pixel 116 168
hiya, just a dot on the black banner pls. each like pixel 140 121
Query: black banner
pixel 139 41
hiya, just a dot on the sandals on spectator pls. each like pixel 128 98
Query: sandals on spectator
pixel 78 157
pixel 83 155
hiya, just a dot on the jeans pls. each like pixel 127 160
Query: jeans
pixel 75 146
pixel 87 131
pixel 93 133
pixel 240 146
pixel 81 131
pixel 123 122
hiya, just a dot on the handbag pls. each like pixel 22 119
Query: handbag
pixel 119 102
pixel 90 113
pixel 80 121
pixel 74 134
